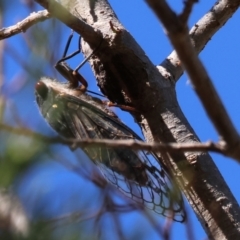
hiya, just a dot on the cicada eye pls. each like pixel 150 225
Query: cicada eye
pixel 42 90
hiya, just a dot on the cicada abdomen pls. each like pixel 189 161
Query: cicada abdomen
pixel 74 114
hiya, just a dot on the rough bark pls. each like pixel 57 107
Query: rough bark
pixel 126 75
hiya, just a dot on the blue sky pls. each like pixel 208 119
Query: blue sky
pixel 55 184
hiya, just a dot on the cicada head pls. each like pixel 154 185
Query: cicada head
pixel 50 96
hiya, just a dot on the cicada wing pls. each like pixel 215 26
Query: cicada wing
pixel 158 194
pixel 138 175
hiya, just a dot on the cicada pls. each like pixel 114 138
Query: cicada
pixel 72 113
pixel 140 175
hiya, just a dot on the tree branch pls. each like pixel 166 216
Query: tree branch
pixel 22 26
pixel 131 144
pixel 87 32
pixel 188 5
pixel 202 32
pixel 179 37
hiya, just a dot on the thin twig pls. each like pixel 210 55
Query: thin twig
pixel 87 32
pixel 202 32
pixel 22 26
pixel 133 144
pixel 188 5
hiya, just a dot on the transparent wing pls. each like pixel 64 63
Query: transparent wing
pixel 138 174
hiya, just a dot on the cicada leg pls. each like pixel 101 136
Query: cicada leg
pixel 73 76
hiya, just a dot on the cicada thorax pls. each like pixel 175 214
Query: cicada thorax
pixel 75 114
